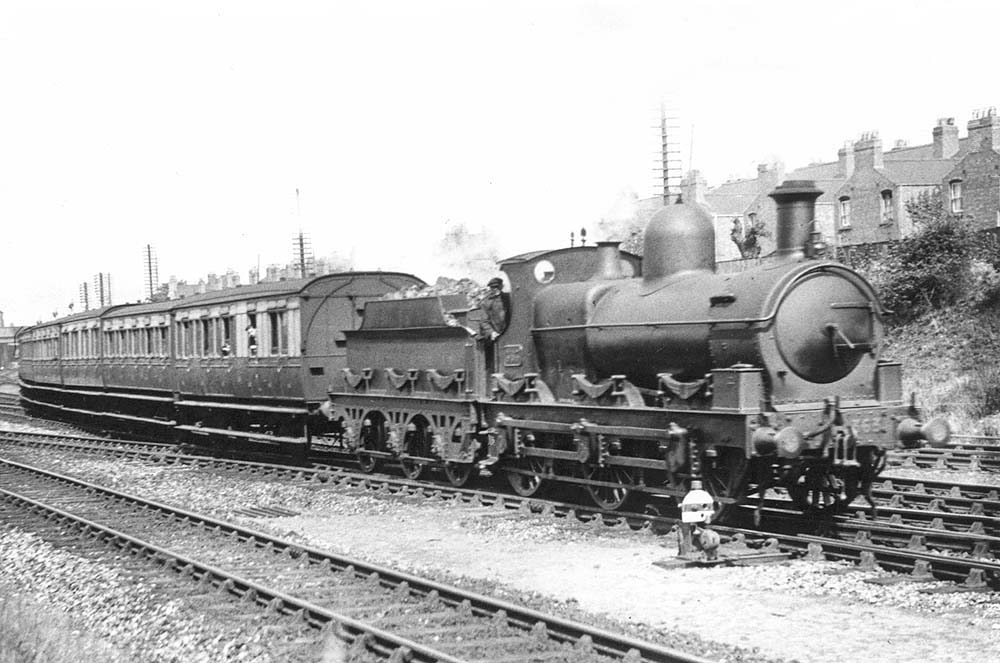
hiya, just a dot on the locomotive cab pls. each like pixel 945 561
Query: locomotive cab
pixel 570 281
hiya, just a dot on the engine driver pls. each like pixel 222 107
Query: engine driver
pixel 495 319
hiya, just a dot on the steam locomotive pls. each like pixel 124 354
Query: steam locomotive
pixel 630 378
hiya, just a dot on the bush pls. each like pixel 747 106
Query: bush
pixel 983 391
pixel 927 271
pixel 984 284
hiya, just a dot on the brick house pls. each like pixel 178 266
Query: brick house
pixel 870 205
pixel 866 189
pixel 971 187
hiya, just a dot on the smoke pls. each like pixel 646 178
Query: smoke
pixel 465 253
pixel 625 221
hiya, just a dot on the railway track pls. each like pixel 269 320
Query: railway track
pixel 970 453
pixel 899 534
pixel 10 407
pixel 946 459
pixel 374 609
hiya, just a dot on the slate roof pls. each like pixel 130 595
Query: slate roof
pixel 922 152
pixel 930 171
pixel 815 171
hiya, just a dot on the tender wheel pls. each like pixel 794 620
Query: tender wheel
pixel 416 443
pixel 610 498
pixel 372 438
pixel 459 474
pixel 526 485
pixel 726 476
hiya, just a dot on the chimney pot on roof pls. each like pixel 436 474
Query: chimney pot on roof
pixel 845 160
pixel 945 138
pixel 868 151
pixel 984 131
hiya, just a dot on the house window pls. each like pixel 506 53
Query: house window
pixel 844 209
pixel 955 195
pixel 887 206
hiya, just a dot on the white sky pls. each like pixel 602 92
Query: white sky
pixel 189 125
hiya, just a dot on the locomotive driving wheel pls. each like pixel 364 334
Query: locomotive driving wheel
pixel 726 476
pixel 608 497
pixel 527 485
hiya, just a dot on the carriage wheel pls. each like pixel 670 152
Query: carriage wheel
pixel 726 475
pixel 610 498
pixel 459 474
pixel 527 485
pixel 367 462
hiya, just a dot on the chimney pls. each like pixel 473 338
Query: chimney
pixel 609 263
pixel 845 161
pixel 693 188
pixel 984 130
pixel 796 203
pixel 769 174
pixel 945 138
pixel 868 151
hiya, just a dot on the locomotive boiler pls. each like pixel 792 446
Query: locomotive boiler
pixel 814 327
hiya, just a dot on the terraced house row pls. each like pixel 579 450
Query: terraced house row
pixel 866 189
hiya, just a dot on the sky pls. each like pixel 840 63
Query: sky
pixel 189 126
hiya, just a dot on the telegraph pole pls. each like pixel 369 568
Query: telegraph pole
pixel 302 247
pixel 152 272
pixel 669 167
pixel 85 295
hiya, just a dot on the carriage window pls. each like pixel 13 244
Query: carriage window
pixel 206 338
pixel 185 342
pixel 225 329
pixel 251 332
pixel 278 329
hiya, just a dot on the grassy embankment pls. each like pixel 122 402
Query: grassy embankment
pixel 950 361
